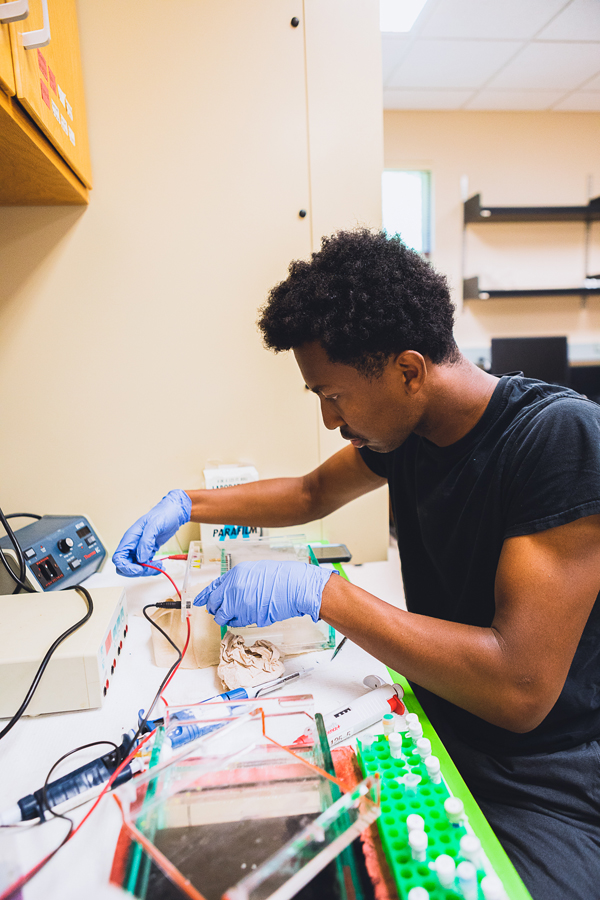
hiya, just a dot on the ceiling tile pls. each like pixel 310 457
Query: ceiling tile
pixel 582 101
pixel 508 19
pixel 400 99
pixel 579 21
pixel 549 65
pixel 514 99
pixel 451 64
pixel 393 50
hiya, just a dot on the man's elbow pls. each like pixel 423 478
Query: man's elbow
pixel 525 709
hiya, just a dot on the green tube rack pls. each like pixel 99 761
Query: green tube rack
pixel 397 804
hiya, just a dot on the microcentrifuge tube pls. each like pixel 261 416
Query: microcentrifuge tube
pixel 455 810
pixel 415 729
pixel 432 764
pixel 395 741
pixel 418 893
pixel 424 748
pixel 415 822
pixel 470 848
pixel 411 781
pixel 367 739
pixel 467 880
pixel 445 868
pixel 388 723
pixel 417 841
pixel 411 717
pixel 491 888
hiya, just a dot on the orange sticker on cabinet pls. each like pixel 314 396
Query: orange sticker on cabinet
pixel 45 93
pixel 52 79
pixel 42 64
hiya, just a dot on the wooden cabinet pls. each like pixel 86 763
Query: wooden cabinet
pixel 7 75
pixel 44 152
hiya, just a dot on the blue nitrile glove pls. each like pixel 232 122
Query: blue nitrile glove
pixel 260 593
pixel 142 540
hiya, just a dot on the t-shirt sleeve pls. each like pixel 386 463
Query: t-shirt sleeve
pixel 552 476
pixel 377 462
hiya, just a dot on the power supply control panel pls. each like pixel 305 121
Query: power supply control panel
pixel 60 551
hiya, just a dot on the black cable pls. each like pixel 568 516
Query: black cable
pixel 172 604
pixel 22 516
pixel 90 608
pixel 18 550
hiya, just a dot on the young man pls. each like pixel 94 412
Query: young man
pixel 495 489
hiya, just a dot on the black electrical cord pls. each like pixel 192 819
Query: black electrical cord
pixel 22 516
pixel 20 582
pixel 168 604
pixel 42 667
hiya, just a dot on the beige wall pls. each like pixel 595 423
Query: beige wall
pixel 511 159
pixel 129 355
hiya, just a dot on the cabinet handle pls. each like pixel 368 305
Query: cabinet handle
pixel 14 11
pixel 41 37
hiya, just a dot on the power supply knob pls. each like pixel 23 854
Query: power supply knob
pixel 65 544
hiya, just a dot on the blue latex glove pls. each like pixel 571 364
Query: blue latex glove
pixel 142 540
pixel 260 593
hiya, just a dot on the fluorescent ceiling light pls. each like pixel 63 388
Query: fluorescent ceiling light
pixel 399 15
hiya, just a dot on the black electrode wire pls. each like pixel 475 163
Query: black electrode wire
pixel 22 516
pixel 18 550
pixel 167 676
pixel 90 608
pixel 45 805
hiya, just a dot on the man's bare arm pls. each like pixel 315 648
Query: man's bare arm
pixel 277 502
pixel 512 673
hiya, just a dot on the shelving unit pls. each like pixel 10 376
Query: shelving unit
pixel 474 213
pixel 471 291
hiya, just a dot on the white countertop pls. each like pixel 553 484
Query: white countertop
pixel 83 865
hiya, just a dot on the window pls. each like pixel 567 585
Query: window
pixel 407 207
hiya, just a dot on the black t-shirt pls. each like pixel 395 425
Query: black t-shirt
pixel 532 462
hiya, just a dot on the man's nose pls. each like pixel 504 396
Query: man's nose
pixel 331 419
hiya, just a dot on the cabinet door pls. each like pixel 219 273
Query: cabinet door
pixel 7 78
pixel 49 81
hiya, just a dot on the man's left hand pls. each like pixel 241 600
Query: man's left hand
pixel 260 593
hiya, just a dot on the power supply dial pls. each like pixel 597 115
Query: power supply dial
pixel 65 544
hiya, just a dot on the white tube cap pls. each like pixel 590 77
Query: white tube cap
pixel 415 822
pixel 395 742
pixel 455 809
pixel 418 842
pixel 424 747
pixel 418 893
pixel 446 870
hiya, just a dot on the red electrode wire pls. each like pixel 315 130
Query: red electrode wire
pixel 166 574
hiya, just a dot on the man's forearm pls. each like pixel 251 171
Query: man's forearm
pixel 271 503
pixel 464 664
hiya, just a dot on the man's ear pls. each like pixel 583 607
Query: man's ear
pixel 412 367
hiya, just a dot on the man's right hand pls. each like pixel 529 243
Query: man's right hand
pixel 142 540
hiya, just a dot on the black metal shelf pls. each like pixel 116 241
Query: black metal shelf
pixel 472 291
pixel 474 212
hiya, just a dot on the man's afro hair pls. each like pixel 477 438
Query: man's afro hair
pixel 363 296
